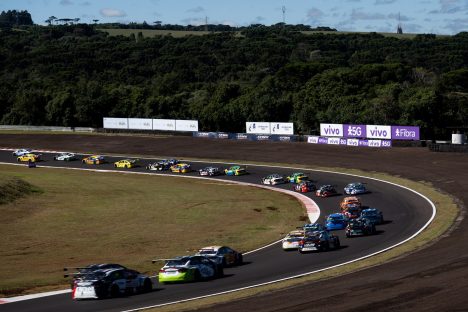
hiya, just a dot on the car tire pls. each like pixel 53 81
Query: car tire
pixel 197 276
pixel 127 166
pixel 147 285
pixel 240 259
pixel 224 263
pixel 337 243
pixel 114 291
pixel 220 271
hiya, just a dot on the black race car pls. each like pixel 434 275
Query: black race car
pixel 110 282
pixel 360 227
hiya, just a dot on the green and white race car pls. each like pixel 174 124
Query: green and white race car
pixel 189 269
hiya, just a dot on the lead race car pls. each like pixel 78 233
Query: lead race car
pixel 110 282
pixel 22 151
pixel 189 269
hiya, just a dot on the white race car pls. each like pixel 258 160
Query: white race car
pixel 292 240
pixel 209 171
pixel 65 156
pixel 273 179
pixel 22 151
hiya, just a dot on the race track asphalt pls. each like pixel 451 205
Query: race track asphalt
pixel 405 212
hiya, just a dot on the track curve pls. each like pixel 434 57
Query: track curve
pixel 407 211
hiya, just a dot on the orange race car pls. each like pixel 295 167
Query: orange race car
pixel 350 200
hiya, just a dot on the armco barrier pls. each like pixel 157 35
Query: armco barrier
pixel 47 128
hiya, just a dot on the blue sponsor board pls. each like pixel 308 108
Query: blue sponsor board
pixel 245 136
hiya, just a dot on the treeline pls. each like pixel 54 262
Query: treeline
pixel 75 75
pixel 13 18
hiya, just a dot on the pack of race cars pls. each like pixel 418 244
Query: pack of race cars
pixel 111 280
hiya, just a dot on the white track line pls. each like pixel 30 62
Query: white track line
pixel 312 209
pixel 434 212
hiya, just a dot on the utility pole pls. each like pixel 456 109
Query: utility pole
pixel 283 9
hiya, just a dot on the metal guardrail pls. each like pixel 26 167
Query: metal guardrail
pixel 47 128
pixel 454 148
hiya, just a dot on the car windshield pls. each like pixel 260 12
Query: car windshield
pixel 207 251
pixel 293 239
pixel 369 213
pixel 335 218
pixel 93 275
pixel 176 262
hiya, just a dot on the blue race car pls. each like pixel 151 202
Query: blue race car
pixel 373 215
pixel 336 221
pixel 355 188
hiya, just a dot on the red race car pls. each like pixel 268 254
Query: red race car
pixel 305 186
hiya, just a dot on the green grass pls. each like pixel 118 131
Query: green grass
pixel 86 217
pixel 12 188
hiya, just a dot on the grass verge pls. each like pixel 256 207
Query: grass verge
pixel 447 212
pixel 84 217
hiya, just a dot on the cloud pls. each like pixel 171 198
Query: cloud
pixel 396 16
pixel 360 15
pixel 107 12
pixel 448 7
pixel 195 21
pixel 66 2
pixel 457 25
pixel 258 20
pixel 314 15
pixel 197 9
pixel 379 2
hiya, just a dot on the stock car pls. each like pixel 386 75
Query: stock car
pixel 209 171
pixel 292 239
pixel 159 166
pixel 373 214
pixel 126 163
pixel 296 177
pixel 355 188
pixel 273 179
pixel 360 227
pixel 110 282
pixel 29 157
pixel 93 160
pixel 319 241
pixel 235 171
pixel 326 191
pixel 305 186
pixel 222 255
pixel 65 157
pixel 22 151
pixel 82 271
pixel 336 221
pixel 189 269
pixel 350 200
pixel 181 168
pixel 352 211
pixel 312 227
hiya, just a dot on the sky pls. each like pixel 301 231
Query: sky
pixel 416 16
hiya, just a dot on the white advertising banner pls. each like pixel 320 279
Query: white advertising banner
pixel 186 125
pixel 334 141
pixel 378 132
pixel 257 127
pixel 282 128
pixel 164 124
pixel 140 124
pixel 313 139
pixel 115 123
pixel 331 130
pixel 352 142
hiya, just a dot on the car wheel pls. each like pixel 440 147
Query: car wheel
pixel 115 166
pixel 147 285
pixel 127 166
pixel 337 243
pixel 114 291
pixel 300 251
pixel 240 259
pixel 220 272
pixel 224 263
pixel 197 276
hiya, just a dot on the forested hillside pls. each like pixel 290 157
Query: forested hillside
pixel 75 75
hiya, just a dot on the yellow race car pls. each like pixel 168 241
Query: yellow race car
pixel 125 163
pixel 181 168
pixel 29 157
pixel 93 160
